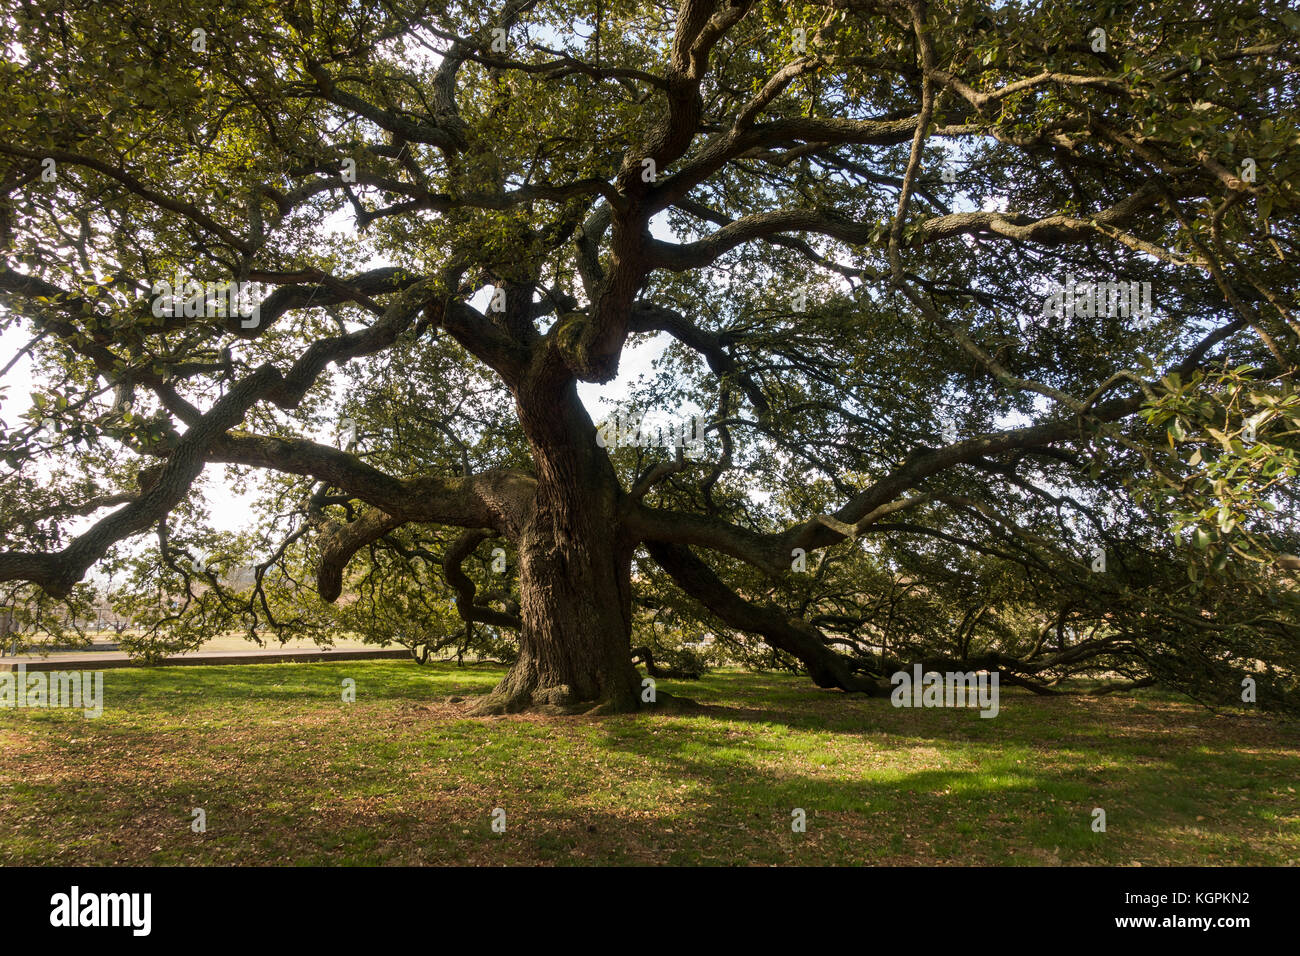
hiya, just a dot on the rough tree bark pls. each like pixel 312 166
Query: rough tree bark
pixel 574 571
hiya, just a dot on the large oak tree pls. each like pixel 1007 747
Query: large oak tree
pixel 842 217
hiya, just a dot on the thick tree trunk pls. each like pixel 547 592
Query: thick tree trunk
pixel 575 643
pixel 575 584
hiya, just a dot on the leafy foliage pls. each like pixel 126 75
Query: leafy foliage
pixel 837 223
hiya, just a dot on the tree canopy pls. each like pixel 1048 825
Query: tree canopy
pixel 987 309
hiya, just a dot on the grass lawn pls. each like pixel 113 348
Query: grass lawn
pixel 288 773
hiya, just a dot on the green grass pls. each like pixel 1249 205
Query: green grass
pixel 289 774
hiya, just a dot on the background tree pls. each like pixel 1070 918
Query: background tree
pixel 844 215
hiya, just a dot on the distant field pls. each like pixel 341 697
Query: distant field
pixel 231 642
pixel 288 773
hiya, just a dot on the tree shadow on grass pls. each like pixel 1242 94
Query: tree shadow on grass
pixel 1171 792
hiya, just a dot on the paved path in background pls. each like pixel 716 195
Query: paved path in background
pixel 109 660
